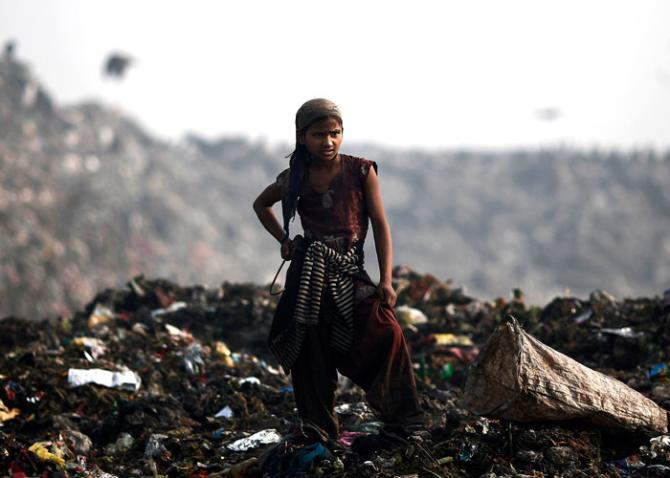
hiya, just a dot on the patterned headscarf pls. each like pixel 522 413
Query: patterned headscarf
pixel 313 110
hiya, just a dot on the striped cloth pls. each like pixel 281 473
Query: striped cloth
pixel 322 266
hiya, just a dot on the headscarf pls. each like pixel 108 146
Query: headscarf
pixel 308 113
pixel 313 110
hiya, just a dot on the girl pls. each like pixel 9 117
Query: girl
pixel 331 317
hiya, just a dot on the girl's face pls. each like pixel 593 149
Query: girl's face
pixel 323 139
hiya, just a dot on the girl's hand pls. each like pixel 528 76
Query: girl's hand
pixel 286 249
pixel 387 294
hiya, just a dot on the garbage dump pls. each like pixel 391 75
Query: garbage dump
pixel 180 383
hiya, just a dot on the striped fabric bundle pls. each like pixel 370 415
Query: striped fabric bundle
pixel 322 266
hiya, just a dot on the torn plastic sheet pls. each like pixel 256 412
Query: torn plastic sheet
pixel 625 332
pixel 225 412
pixel 173 308
pixel 250 380
pixel 193 361
pixel 658 370
pixel 154 446
pixel 125 380
pixel 263 437
pixel 660 443
pixel 583 317
pixel 178 333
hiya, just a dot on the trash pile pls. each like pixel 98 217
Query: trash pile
pixel 155 379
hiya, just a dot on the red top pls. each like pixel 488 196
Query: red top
pixel 338 217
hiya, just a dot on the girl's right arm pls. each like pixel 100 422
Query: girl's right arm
pixel 263 208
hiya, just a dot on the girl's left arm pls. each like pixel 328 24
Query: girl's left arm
pixel 382 235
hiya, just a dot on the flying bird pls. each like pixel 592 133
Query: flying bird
pixel 116 64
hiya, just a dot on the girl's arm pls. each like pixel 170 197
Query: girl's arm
pixel 382 235
pixel 263 207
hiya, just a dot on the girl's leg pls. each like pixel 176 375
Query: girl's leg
pixel 379 362
pixel 315 381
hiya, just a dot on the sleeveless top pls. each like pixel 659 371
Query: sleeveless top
pixel 339 216
pixel 339 219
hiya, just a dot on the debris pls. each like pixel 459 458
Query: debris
pixel 176 332
pixel 225 412
pixel 193 361
pixel 263 437
pixel 658 370
pixel 78 442
pixel 209 384
pixel 583 317
pixel 122 445
pixel 126 380
pixel 409 317
pixel 154 446
pixel 224 353
pixel 43 451
pixel 624 332
pixel 6 413
pixel 452 339
pixel 174 307
pixel 94 347
pixel 100 315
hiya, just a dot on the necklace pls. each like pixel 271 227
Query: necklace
pixel 327 199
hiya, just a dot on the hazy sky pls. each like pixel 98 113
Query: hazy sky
pixel 430 74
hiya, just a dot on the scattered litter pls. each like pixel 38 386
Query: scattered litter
pixel 126 380
pixel 225 412
pixel 583 317
pixel 6 413
pixel 42 450
pixel 154 446
pixel 174 307
pixel 409 317
pixel 209 382
pixel 176 332
pixel 101 315
pixel 625 332
pixel 452 339
pixel 250 380
pixel 94 346
pixel 263 437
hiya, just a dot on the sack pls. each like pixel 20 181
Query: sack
pixel 517 377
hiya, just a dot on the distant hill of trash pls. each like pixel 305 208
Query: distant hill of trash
pixel 89 198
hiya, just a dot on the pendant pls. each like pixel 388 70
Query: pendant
pixel 327 199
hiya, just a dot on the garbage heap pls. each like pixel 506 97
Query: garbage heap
pixel 155 379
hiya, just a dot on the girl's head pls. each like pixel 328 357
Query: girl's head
pixel 313 110
pixel 317 118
